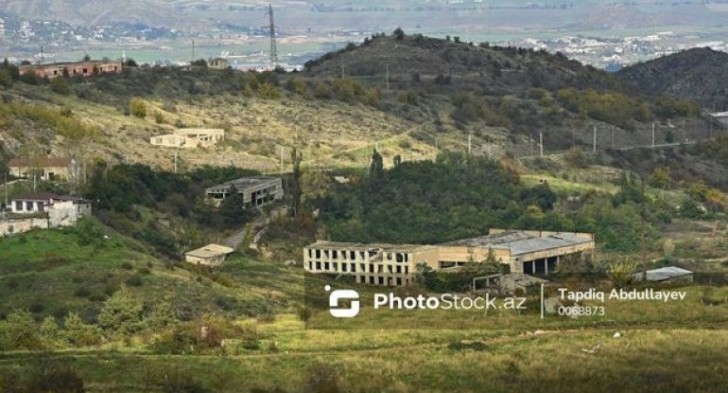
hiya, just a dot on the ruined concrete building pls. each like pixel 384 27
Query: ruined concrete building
pixel 71 69
pixel 524 252
pixel 190 138
pixel 257 191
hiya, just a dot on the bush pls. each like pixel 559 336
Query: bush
pixel 323 379
pixel 60 86
pixel 82 292
pixel 79 333
pixel 19 331
pixel 138 108
pixel 135 281
pixel 576 158
pixel 304 313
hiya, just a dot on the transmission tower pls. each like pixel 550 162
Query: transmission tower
pixel 273 46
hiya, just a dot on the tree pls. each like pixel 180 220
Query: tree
pixel 621 273
pixel 398 34
pixel 232 208
pixel 60 86
pixel 162 316
pixel 121 313
pixel 19 331
pixel 50 332
pixel 376 168
pixel 138 107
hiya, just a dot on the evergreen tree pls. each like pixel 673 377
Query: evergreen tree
pixel 232 209
pixel 121 313
pixel 376 168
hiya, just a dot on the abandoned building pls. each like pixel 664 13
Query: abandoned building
pixel 210 255
pixel 523 252
pixel 45 168
pixel 257 191
pixel 45 202
pixel 666 275
pixel 376 264
pixel 190 138
pixel 81 68
pixel 43 210
pixel 526 252
pixel 218 63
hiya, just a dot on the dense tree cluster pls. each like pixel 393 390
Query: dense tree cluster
pixel 457 197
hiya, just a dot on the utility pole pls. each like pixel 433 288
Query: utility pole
pixel 273 46
pixel 343 75
pixel 281 160
pixel 175 161
pixel 653 134
pixel 470 144
pixel 5 187
pixel 540 143
pixel 193 51
pixel 643 212
pixel 594 143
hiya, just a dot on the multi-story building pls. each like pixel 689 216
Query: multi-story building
pixel 376 264
pixel 524 252
pixel 256 191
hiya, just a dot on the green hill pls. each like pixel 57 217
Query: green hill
pixel 699 74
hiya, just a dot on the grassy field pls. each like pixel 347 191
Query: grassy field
pixel 660 346
pixel 437 361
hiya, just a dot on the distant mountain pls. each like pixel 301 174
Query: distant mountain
pixel 699 74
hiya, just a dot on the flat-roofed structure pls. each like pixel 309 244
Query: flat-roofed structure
pixel 71 69
pixel 190 138
pixel 257 191
pixel 524 252
pixel 375 264
pixel 45 168
pixel 666 275
pixel 210 255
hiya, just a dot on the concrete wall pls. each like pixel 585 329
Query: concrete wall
pixel 44 173
pixel 189 138
pixel 211 261
pixel 373 265
pixel 65 214
pixel 13 226
pixel 464 254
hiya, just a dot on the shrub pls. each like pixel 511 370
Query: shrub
pixel 19 331
pixel 82 292
pixel 60 86
pixel 138 108
pixel 135 281
pixel 121 313
pixel 576 158
pixel 52 376
pixel 304 313
pixel 322 379
pixel 79 333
